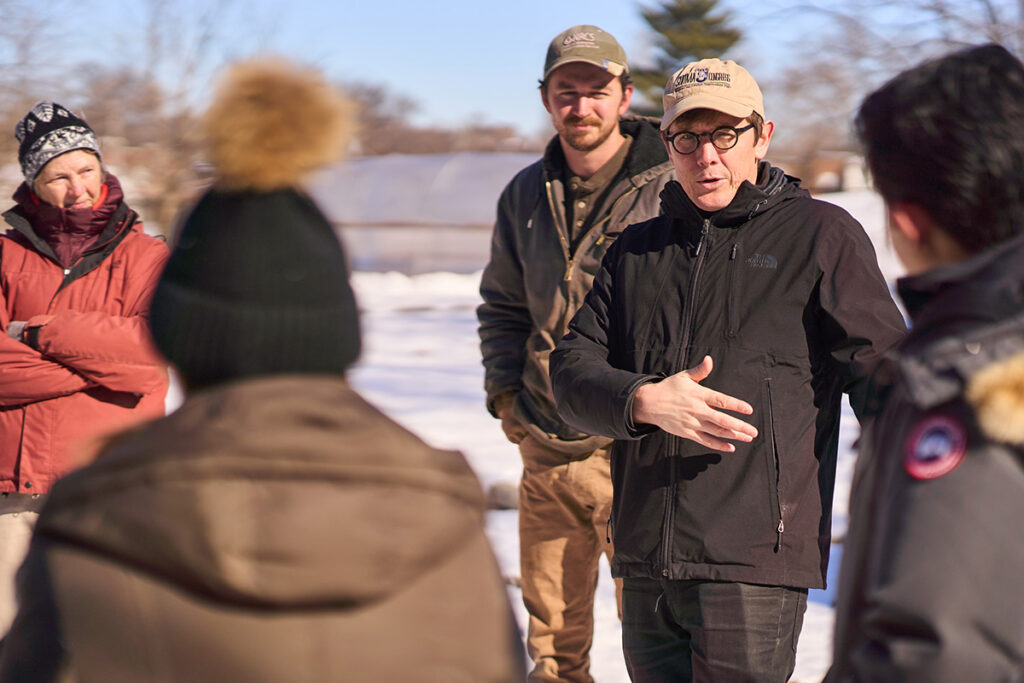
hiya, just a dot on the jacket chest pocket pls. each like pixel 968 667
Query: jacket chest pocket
pixel 773 463
pixel 732 298
pixel 595 254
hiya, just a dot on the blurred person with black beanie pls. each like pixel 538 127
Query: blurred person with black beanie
pixel 276 527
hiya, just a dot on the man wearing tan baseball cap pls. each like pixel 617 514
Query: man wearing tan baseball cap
pixel 600 172
pixel 715 347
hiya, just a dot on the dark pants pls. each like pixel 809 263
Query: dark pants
pixel 709 631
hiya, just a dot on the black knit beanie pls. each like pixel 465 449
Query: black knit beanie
pixel 48 130
pixel 257 283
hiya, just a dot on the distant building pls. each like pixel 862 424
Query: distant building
pixel 827 170
pixel 459 189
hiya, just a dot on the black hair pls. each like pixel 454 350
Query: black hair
pixel 948 135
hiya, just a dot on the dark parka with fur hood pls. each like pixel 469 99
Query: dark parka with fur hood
pixel 533 283
pixel 933 567
pixel 784 293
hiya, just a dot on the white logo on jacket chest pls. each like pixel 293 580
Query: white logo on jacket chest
pixel 762 261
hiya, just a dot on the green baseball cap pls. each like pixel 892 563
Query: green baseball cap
pixel 589 44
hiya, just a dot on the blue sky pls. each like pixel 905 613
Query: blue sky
pixel 461 61
pixel 464 61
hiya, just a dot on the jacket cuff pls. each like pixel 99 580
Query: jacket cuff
pixel 637 430
pixel 30 336
pixel 501 401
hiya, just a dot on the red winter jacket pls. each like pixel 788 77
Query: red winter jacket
pixel 88 365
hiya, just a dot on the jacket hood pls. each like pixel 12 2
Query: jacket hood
pixel 968 330
pixel 278 492
pixel 773 187
pixel 997 394
pixel 647 156
pixel 985 287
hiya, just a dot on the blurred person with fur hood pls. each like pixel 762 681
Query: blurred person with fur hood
pixel 933 568
pixel 276 527
pixel 76 275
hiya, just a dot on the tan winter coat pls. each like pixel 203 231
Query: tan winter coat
pixel 277 529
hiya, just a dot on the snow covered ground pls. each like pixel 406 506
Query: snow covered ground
pixel 421 365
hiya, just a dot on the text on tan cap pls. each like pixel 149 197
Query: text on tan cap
pixel 723 86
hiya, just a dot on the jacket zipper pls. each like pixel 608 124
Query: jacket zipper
pixel 731 295
pixel 562 231
pixel 689 312
pixel 63 283
pixel 781 528
pixel 682 362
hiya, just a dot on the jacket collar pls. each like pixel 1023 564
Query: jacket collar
pixel 975 280
pixel 966 316
pixel 773 186
pixel 37 221
pixel 647 157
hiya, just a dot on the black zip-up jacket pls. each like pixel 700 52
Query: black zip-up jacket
pixel 933 566
pixel 784 293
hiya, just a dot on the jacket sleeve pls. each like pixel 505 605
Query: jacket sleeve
pixel 26 375
pixel 113 351
pixel 590 393
pixel 504 315
pixel 861 321
pixel 941 593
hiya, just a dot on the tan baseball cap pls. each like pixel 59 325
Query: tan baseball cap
pixel 589 44
pixel 711 84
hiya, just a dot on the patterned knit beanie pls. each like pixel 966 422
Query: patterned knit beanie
pixel 257 283
pixel 48 131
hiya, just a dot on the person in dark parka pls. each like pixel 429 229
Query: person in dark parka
pixel 933 568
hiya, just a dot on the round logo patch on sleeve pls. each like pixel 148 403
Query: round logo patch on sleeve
pixel 935 447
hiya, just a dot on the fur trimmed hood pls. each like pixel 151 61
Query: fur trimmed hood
pixel 997 395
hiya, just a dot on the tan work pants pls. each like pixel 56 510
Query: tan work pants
pixel 564 506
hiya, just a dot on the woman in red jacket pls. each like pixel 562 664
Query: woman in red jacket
pixel 76 276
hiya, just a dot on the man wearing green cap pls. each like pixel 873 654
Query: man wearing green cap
pixel 555 220
pixel 715 347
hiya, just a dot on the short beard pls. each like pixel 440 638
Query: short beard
pixel 576 142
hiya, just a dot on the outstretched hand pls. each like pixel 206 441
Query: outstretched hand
pixel 681 406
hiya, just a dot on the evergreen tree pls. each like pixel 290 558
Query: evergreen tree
pixel 685 30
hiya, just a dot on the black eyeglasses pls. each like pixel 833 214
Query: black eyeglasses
pixel 723 138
